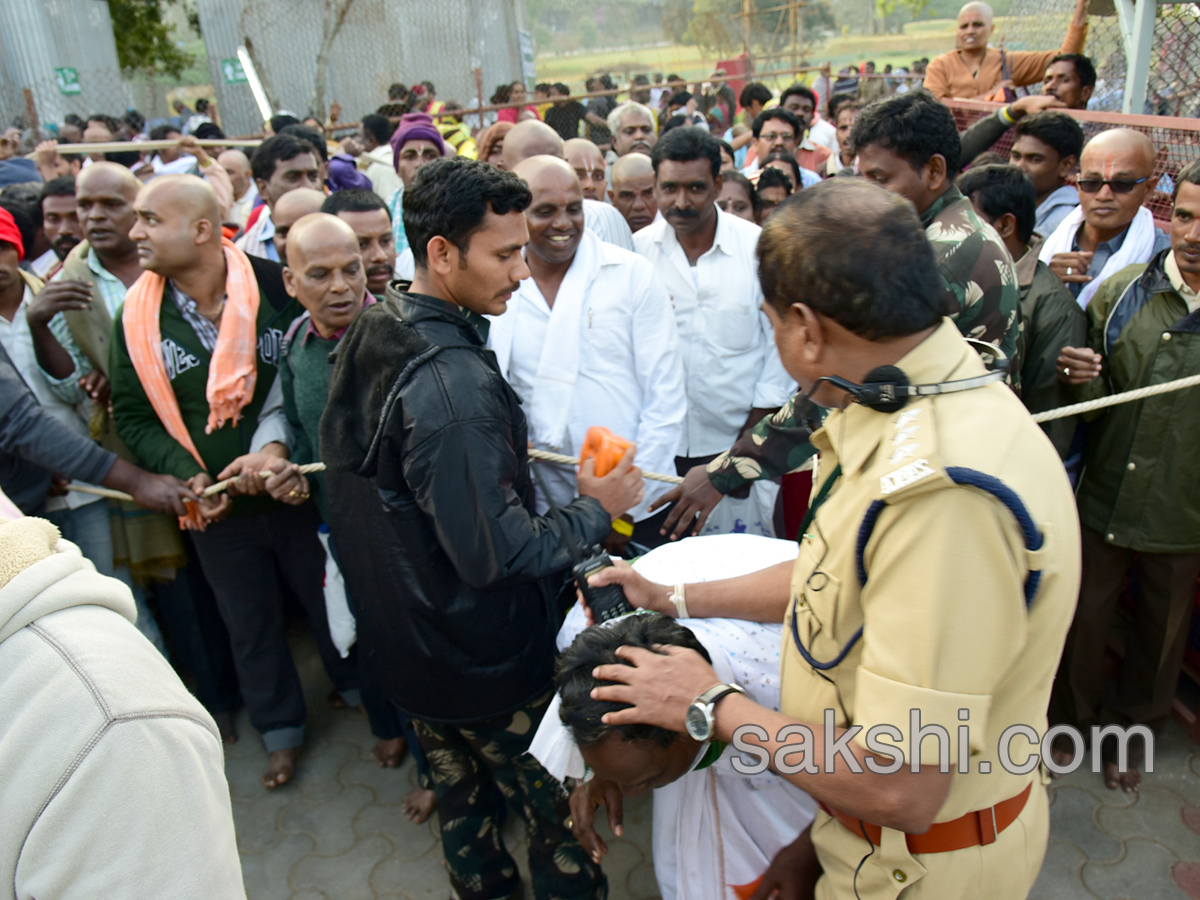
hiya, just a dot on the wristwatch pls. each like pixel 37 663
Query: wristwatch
pixel 699 718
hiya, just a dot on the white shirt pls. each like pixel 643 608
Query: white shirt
pixel 242 206
pixel 607 223
pixel 257 239
pixel 627 370
pixel 384 180
pixel 729 355
pixel 18 344
pixel 43 264
pixel 824 135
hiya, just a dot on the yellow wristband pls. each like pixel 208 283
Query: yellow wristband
pixel 620 526
pixel 1006 117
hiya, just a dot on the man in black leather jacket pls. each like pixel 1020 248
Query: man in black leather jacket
pixel 453 575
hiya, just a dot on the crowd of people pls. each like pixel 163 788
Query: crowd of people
pixel 419 304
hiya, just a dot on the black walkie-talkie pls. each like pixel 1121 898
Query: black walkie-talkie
pixel 607 602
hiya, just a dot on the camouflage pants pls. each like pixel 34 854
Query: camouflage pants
pixel 467 765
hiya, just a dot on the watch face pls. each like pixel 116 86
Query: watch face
pixel 699 725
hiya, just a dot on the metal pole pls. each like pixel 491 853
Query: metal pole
pixel 1137 28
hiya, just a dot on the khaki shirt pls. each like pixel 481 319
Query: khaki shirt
pixel 945 625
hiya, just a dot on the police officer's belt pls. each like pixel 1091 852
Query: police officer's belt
pixel 971 830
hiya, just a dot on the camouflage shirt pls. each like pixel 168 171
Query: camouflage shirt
pixel 974 266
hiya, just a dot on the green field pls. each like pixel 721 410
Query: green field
pixel 927 38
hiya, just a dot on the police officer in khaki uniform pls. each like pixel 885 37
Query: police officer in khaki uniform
pixel 936 579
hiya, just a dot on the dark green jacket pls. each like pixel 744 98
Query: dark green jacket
pixel 138 424
pixel 304 379
pixel 1050 320
pixel 1140 487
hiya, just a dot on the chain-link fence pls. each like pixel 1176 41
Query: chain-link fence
pixel 1174 80
pixel 361 47
pixel 1177 141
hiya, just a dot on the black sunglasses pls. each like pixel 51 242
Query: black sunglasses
pixel 1093 185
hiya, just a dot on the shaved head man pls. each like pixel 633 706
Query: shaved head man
pixel 325 271
pixel 290 208
pixel 104 195
pixel 975 71
pixel 531 138
pixel 632 191
pixel 588 162
pixel 555 216
pixel 1111 229
pixel 237 166
pixel 207 292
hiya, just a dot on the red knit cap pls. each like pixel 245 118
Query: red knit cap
pixel 9 232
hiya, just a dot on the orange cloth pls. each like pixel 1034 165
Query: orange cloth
pixel 949 76
pixel 231 371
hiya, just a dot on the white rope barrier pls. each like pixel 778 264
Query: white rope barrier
pixel 1087 406
pixel 1074 409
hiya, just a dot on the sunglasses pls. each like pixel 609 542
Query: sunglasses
pixel 1093 185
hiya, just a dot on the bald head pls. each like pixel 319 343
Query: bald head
pixel 325 271
pixel 314 231
pixel 528 139
pixel 977 9
pixel 1118 155
pixel 237 166
pixel 975 26
pixel 178 228
pixel 540 170
pixel 588 162
pixel 109 178
pixel 291 208
pixel 635 165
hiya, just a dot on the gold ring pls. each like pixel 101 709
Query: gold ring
pixel 570 823
pixel 293 493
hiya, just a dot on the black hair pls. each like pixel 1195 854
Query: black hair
pixel 597 646
pixel 915 126
pixel 798 90
pixel 686 145
pixel 107 121
pixel 275 150
pixel 837 103
pixel 988 158
pixel 282 121
pixel 397 91
pixel 378 127
pixel 770 177
pixel 790 161
pixel 62 186
pixel 202 106
pixel 314 137
pixel 451 196
pixel 609 84
pixel 812 249
pixel 134 120
pixel 160 132
pixel 727 147
pixel 1189 174
pixel 208 131
pixel 1084 67
pixel 746 185
pixel 1003 189
pixel 354 200
pixel 561 88
pixel 22 214
pixel 73 119
pixel 679 98
pixel 754 91
pixel 1056 130
pixel 782 115
pixel 501 94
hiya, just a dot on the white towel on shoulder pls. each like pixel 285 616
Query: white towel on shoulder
pixel 1138 247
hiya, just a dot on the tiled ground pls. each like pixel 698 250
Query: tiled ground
pixel 337 832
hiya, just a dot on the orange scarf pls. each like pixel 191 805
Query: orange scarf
pixel 231 371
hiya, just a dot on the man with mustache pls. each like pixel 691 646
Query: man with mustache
pixel 1138 494
pixel 590 339
pixel 706 260
pixel 368 216
pixel 60 220
pixel 633 131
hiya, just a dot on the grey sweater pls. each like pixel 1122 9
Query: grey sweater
pixel 33 445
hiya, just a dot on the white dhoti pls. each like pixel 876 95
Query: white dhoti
pixel 714 829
